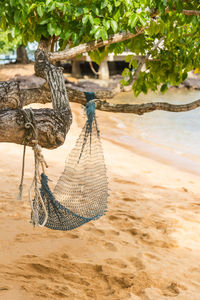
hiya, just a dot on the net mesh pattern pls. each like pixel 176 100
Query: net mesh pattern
pixel 81 192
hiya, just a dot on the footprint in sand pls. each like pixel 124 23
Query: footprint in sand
pixel 159 187
pixel 65 256
pixel 73 236
pixel 128 199
pixel 21 237
pixel 113 218
pixel 4 288
pixel 138 264
pixel 113 232
pixel 116 262
pixel 133 231
pixel 98 231
pixel 152 256
pixel 110 246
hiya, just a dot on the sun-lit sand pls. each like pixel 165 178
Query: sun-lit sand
pixel 145 248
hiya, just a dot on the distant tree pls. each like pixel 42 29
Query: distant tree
pixel 22 56
pixel 8 44
pixel 163 35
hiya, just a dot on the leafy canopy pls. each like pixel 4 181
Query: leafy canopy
pixel 7 42
pixel 81 21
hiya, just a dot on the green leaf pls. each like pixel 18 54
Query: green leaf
pixel 67 35
pixel 22 2
pixel 50 29
pixel 3 23
pixel 179 5
pixel 98 34
pixel 134 63
pixel 91 19
pixel 48 2
pixel 52 7
pixel 12 2
pixel 106 23
pixel 128 58
pixel 97 21
pixel 184 75
pixel 144 88
pixel 57 31
pixel 60 6
pixel 40 11
pixel 109 8
pixel 32 7
pixel 75 38
pixel 104 4
pixel 133 20
pixel 43 22
pixel 17 16
pixel 142 20
pixel 104 34
pixel 163 88
pixel 85 10
pixel 10 37
pixel 114 25
pixel 85 19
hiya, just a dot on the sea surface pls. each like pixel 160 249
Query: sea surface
pixel 173 138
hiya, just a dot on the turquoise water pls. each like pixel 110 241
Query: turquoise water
pixel 173 137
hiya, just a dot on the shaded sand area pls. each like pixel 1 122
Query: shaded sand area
pixel 145 248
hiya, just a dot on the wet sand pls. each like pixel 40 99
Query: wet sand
pixel 146 247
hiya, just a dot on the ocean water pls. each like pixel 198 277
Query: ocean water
pixel 170 137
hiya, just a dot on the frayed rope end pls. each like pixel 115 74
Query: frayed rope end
pixel 19 196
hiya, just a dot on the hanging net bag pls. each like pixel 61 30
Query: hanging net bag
pixel 81 192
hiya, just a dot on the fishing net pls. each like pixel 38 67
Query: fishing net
pixel 81 192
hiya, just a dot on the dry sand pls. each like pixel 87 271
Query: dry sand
pixel 145 248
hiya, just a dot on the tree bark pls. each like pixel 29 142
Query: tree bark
pixel 52 127
pixel 52 124
pixel 22 57
pixel 186 12
pixel 13 97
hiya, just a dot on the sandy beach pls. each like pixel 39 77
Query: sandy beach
pixel 145 248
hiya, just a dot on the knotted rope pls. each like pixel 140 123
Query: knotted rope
pixel 32 133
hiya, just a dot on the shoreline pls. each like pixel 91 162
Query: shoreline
pixel 158 153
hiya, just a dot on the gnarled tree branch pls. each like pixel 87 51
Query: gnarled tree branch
pixel 42 95
pixel 68 54
pixel 140 109
pixel 186 12
pixel 51 126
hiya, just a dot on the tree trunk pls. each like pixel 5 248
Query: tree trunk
pixel 51 124
pixel 104 70
pixel 22 57
pixel 76 70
